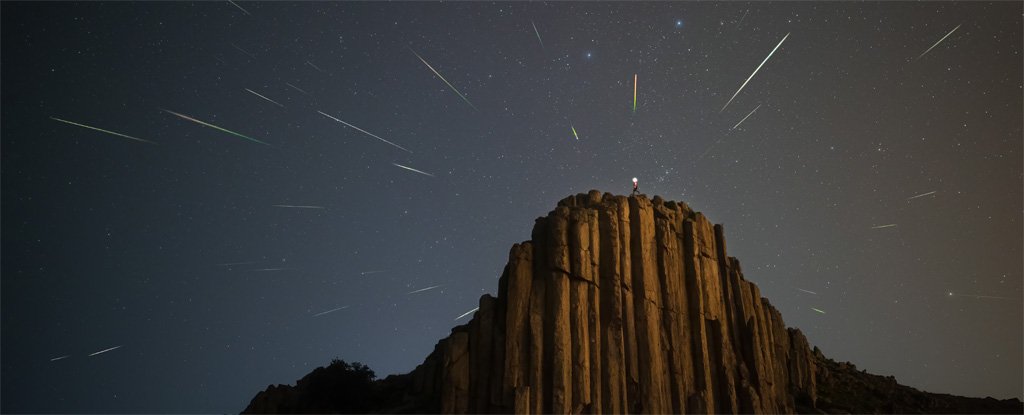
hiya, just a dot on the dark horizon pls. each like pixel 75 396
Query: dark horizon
pixel 294 182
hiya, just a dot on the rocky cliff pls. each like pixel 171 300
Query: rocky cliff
pixel 618 304
pixel 621 305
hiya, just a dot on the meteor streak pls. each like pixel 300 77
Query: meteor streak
pixel 755 72
pixel 299 206
pixel 101 130
pixel 363 131
pixel 940 41
pixel 329 311
pixel 981 296
pixel 709 149
pixel 370 272
pixel 745 118
pixel 228 264
pixel 712 146
pixel 634 92
pixel 815 309
pixel 422 289
pixel 574 131
pixel 214 126
pixel 297 88
pixel 412 169
pixel 538 39
pixel 243 51
pixel 261 96
pixel 466 313
pixel 106 350
pixel 315 67
pixel 883 226
pixel 806 291
pixel 922 195
pixel 240 7
pixel 60 358
pixel 442 78
pixel 744 17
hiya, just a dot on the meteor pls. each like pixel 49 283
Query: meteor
pixel 574 131
pixel 297 88
pixel 214 126
pixel 445 80
pixel 101 130
pixel 315 67
pixel 466 313
pixel 422 289
pixel 329 311
pixel 883 226
pixel 60 358
pixel 981 296
pixel 815 309
pixel 261 96
pixel 106 350
pixel 745 118
pixel 744 17
pixel 940 41
pixel 412 169
pixel 709 148
pixel 755 72
pixel 922 195
pixel 299 206
pixel 634 92
pixel 370 272
pixel 538 39
pixel 243 51
pixel 363 131
pixel 240 7
pixel 228 264
pixel 806 291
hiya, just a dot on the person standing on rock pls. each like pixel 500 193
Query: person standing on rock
pixel 636 187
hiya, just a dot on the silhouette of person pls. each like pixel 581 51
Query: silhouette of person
pixel 636 187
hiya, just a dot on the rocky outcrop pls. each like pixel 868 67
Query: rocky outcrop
pixel 844 389
pixel 620 305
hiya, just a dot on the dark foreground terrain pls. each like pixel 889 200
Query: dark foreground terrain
pixel 351 388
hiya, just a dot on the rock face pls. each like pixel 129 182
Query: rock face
pixel 620 305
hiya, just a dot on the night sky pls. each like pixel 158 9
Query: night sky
pixel 221 261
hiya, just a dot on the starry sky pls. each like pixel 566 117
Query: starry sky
pixel 289 176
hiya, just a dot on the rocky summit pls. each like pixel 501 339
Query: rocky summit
pixel 620 305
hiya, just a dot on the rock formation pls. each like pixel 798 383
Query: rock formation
pixel 619 305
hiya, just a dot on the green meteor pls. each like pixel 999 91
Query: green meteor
pixel 574 131
pixel 101 130
pixel 815 309
pixel 634 92
pixel 214 126
pixel 442 78
pixel 538 35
